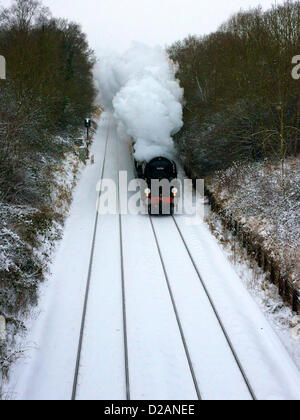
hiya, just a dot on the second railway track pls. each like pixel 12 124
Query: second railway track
pixel 110 135
pixel 88 282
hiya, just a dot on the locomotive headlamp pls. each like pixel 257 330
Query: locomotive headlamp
pixel 174 191
pixel 147 192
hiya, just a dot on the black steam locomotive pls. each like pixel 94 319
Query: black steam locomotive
pixel 160 175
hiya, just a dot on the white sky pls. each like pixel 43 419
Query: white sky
pixel 114 24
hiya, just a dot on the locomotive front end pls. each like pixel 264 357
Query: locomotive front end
pixel 162 189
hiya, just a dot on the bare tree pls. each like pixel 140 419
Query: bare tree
pixel 23 14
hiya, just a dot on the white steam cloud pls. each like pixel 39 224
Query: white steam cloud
pixel 141 89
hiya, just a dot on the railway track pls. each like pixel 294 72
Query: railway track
pixel 176 314
pixel 88 282
pixel 219 320
pixel 169 287
pixel 247 382
pixel 126 358
pixel 156 327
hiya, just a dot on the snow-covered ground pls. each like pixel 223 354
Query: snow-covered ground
pixel 173 346
pixel 266 203
pixel 285 322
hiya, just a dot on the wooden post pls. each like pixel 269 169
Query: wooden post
pixel 295 300
pixel 259 256
pixel 281 286
pixel 272 273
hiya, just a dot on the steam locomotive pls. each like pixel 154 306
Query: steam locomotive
pixel 160 175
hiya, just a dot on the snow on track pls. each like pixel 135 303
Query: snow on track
pixel 47 372
pixel 102 370
pixel 150 331
pixel 158 367
pixel 204 336
pixel 270 370
pixel 157 361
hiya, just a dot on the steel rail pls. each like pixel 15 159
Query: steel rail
pixel 127 379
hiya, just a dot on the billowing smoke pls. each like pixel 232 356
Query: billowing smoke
pixel 141 89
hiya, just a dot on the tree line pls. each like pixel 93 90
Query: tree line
pixel 48 91
pixel 241 101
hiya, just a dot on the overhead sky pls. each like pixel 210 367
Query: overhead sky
pixel 114 24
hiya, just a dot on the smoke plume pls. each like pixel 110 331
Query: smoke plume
pixel 141 89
